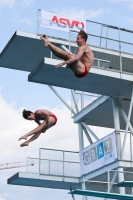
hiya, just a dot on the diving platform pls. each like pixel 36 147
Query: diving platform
pixel 44 181
pixel 102 106
pixel 101 194
pixel 26 52
pixel 98 81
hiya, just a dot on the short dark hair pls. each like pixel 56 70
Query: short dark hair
pixel 83 35
pixel 26 113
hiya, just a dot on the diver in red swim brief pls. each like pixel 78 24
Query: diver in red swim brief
pixel 48 120
pixel 54 118
pixel 81 62
pixel 83 74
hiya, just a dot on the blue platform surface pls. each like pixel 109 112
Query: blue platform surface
pixel 44 181
pixel 124 184
pixel 102 194
pixel 26 52
pixel 98 81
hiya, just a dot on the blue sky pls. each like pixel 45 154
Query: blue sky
pixel 17 93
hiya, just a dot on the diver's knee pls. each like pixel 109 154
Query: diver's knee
pixel 68 55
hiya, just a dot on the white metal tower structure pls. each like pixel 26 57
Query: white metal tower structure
pixel 111 77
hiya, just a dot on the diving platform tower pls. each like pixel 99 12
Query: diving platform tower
pixel 110 78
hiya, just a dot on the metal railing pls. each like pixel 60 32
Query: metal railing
pixel 59 163
pixel 114 177
pixel 32 168
pixel 113 44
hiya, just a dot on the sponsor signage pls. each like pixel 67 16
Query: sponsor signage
pixel 61 22
pixel 98 154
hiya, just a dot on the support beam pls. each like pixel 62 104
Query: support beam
pixel 72 195
pixel 67 105
pixel 118 138
pixel 87 135
pixel 110 183
pixel 116 114
pixel 127 125
pixel 81 140
pixel 81 145
pixel 117 125
pixel 124 115
pixel 74 99
pixel 92 133
pixel 84 188
pixel 121 179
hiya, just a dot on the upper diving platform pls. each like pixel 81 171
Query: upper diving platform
pixel 26 52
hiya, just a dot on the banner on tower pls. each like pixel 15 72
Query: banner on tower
pixel 61 22
pixel 98 154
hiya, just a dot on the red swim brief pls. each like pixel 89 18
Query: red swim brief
pixel 83 74
pixel 54 118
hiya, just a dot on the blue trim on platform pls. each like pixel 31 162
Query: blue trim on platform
pixel 102 194
pixel 124 184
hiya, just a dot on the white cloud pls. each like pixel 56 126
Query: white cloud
pixel 80 13
pixel 64 135
pixel 2 198
pixel 24 21
pixel 129 3
pixel 7 3
pixel 130 20
pixel 28 2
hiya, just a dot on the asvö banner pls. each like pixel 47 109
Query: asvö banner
pixel 61 22
pixel 98 154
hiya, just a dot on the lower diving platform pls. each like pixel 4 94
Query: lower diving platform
pixel 44 181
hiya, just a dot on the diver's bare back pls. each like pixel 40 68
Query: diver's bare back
pixel 87 58
pixel 41 113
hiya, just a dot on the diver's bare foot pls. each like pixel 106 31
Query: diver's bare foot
pixel 24 144
pixel 46 40
pixel 22 138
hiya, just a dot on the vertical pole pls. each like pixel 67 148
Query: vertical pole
pixel 81 146
pixel 109 181
pixel 118 139
pixel 106 37
pixel 131 148
pixel 98 63
pixel 81 141
pixel 84 188
pixel 37 22
pixel 69 41
pixel 39 160
pixel 63 165
pixel 101 35
pixel 26 164
pixel 51 54
pixel 82 100
pixel 49 166
pixel 121 179
pixel 120 54
pixel 116 125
